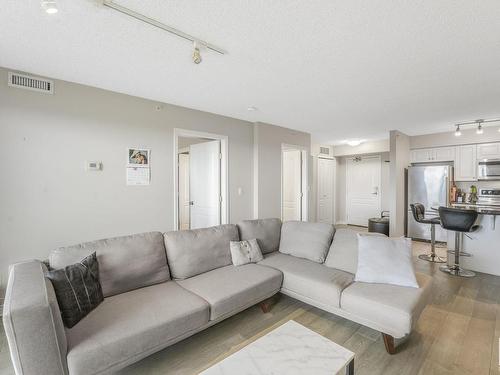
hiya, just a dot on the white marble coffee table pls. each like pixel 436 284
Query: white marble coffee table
pixel 290 349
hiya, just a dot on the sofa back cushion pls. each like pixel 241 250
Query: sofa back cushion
pixel 343 253
pixel 191 252
pixel 307 240
pixel 125 263
pixel 266 231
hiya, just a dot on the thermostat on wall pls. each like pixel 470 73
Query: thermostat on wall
pixel 93 165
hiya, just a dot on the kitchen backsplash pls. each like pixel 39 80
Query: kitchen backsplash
pixel 465 186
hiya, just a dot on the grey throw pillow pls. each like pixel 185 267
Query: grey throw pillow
pixel 78 290
pixel 243 252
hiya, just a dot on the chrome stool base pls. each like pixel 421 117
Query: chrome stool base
pixel 433 258
pixel 457 271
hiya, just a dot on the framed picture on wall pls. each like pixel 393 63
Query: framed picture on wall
pixel 138 157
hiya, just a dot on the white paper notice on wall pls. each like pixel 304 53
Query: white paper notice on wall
pixel 138 176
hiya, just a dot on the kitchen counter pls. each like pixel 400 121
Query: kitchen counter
pixel 482 209
pixel 483 244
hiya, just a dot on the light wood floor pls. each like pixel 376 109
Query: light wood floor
pixel 457 333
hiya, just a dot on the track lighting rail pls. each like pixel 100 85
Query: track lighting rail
pixel 160 25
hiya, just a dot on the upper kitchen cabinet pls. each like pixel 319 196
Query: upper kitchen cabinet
pixel 426 155
pixel 466 163
pixel 488 151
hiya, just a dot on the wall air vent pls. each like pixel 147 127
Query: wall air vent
pixel 324 151
pixel 24 81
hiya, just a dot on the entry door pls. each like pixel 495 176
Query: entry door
pixel 184 191
pixel 205 186
pixel 326 170
pixel 292 185
pixel 363 189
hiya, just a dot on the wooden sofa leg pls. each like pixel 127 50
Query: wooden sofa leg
pixel 265 306
pixel 389 343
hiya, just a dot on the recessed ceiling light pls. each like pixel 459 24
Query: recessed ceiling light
pixel 252 109
pixel 354 142
pixel 49 6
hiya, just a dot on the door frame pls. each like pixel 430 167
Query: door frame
pixel 304 214
pixel 224 170
pixel 379 158
pixel 334 188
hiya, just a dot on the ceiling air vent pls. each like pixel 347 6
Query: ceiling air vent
pixel 23 81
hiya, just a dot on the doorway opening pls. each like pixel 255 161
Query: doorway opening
pixel 294 191
pixel 363 175
pixel 200 179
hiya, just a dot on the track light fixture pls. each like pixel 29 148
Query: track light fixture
pixel 479 129
pixel 152 22
pixel 49 6
pixel 479 124
pixel 196 53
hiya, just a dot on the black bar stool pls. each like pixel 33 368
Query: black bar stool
pixel 418 211
pixel 460 221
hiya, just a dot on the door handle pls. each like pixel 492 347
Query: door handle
pixel 191 203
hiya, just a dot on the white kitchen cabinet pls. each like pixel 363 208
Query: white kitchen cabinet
pixel 439 154
pixel 488 151
pixel 466 163
pixel 421 156
pixel 444 154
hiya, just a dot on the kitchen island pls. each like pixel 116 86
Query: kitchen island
pixel 483 244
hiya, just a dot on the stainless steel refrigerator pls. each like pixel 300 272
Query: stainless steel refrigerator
pixel 429 185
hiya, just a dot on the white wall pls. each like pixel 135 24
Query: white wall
pixel 47 199
pixel 268 140
pixel 400 159
pixel 372 147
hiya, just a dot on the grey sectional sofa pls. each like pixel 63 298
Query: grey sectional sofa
pixel 161 288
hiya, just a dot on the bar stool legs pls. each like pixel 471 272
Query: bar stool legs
pixel 455 269
pixel 432 257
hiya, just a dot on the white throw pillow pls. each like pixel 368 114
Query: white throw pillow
pixel 343 253
pixel 243 252
pixel 385 260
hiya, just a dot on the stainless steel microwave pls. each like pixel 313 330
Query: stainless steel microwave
pixel 488 169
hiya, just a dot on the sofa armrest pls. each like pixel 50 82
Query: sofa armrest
pixel 33 323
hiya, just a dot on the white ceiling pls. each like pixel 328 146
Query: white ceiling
pixel 337 69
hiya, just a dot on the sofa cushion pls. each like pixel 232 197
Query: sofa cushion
pixel 266 231
pixel 391 309
pixel 310 279
pixel 306 240
pixel 191 252
pixel 231 289
pixel 125 263
pixel 343 253
pixel 129 326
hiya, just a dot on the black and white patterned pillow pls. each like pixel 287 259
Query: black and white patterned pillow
pixel 78 289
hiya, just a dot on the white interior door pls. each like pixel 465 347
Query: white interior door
pixel 183 191
pixel 326 172
pixel 205 186
pixel 363 189
pixel 292 185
